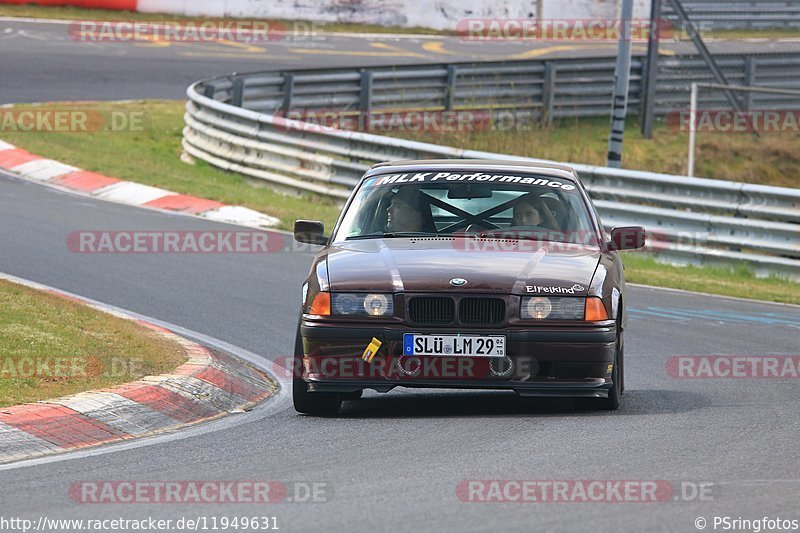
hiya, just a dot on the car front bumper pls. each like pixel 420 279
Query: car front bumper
pixel 574 361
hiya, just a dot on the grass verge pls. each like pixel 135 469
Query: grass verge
pixel 152 157
pixel 736 281
pixel 51 347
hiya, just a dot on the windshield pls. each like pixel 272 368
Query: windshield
pixel 449 203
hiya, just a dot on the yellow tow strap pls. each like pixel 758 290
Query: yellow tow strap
pixel 371 350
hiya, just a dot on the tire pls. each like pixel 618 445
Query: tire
pixel 309 403
pixel 613 401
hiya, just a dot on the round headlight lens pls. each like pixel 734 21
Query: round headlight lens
pixel 572 308
pixel 346 304
pixel 376 304
pixel 539 308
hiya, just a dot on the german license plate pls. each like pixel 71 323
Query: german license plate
pixel 454 345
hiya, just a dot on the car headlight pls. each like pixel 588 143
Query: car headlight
pixel 540 308
pixel 375 305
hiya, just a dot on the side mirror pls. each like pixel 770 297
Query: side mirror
pixel 627 238
pixel 310 232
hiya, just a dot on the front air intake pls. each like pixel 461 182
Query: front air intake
pixel 431 310
pixel 481 311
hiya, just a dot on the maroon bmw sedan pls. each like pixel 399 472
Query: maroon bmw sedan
pixel 463 274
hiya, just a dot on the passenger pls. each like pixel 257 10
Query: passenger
pixel 531 210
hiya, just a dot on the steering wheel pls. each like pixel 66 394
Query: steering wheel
pixel 474 228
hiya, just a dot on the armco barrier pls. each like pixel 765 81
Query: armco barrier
pixel 739 14
pixel 540 89
pixel 692 219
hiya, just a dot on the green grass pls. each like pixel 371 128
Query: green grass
pixel 76 13
pixel 152 157
pixel 727 281
pixel 40 327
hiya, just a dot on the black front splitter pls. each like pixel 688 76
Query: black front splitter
pixel 597 388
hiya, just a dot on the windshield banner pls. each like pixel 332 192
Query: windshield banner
pixel 445 177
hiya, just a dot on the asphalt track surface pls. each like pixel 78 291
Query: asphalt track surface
pixel 394 461
pixel 41 61
pixel 48 63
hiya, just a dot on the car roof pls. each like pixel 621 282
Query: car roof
pixel 509 165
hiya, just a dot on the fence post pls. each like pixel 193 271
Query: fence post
pixel 749 80
pixel 650 72
pixel 365 98
pixel 209 91
pixel 450 88
pixel 692 129
pixel 237 98
pixel 548 92
pixel 622 78
pixel 288 92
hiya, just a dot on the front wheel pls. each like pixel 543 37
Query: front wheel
pixel 310 403
pixel 615 393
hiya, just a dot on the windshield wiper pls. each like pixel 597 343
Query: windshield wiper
pixel 392 235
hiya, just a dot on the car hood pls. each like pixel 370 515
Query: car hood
pixel 488 265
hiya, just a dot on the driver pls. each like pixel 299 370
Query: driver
pixel 405 213
pixel 530 210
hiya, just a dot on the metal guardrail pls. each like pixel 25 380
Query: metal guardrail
pixel 676 74
pixel 541 89
pixel 690 219
pixel 740 14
